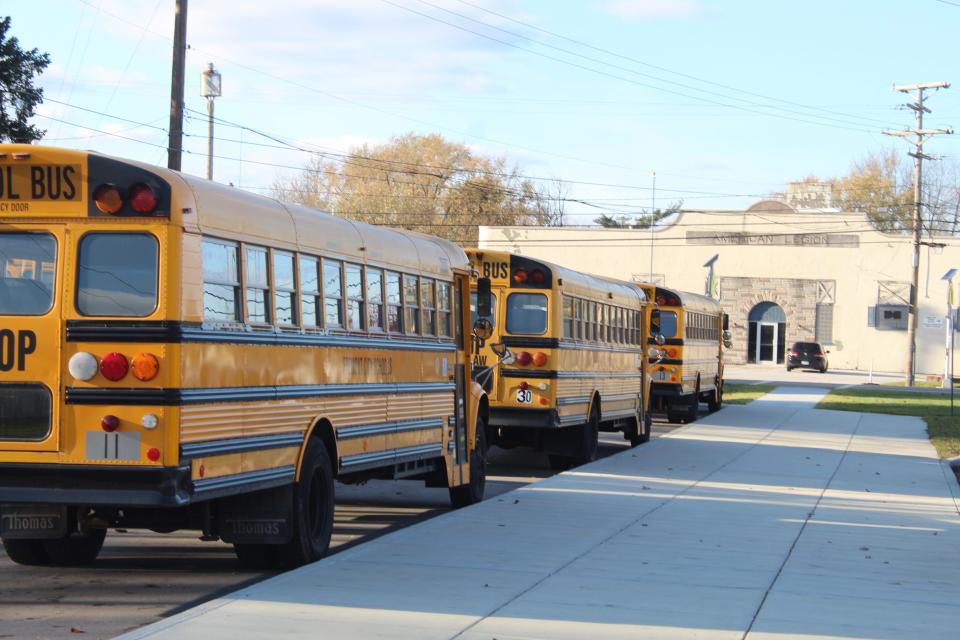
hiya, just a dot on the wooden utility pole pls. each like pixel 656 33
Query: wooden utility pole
pixel 175 142
pixel 920 135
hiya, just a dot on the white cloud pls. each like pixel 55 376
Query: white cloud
pixel 654 9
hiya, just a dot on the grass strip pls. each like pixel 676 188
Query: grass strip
pixel 745 393
pixel 934 408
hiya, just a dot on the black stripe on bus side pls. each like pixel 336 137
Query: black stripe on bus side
pixel 363 461
pixel 75 395
pixel 237 445
pixel 527 373
pixel 177 332
pixel 367 430
pixel 260 479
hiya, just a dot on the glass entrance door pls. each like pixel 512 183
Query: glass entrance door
pixel 767 342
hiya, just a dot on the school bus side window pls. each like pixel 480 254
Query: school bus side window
pixel 374 300
pixel 354 281
pixel 310 291
pixel 428 307
pixel 117 274
pixel 332 294
pixel 394 303
pixel 258 287
pixel 443 305
pixel 285 291
pixel 411 313
pixel 567 317
pixel 26 282
pixel 221 281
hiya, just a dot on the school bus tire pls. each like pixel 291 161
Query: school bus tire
pixel 27 552
pixel 75 549
pixel 472 492
pixel 716 398
pixel 311 517
pixel 646 428
pixel 590 443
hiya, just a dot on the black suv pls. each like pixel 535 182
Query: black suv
pixel 807 355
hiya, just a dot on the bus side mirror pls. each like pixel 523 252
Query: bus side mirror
pixel 726 323
pixel 659 339
pixel 727 339
pixel 484 296
pixel 482 329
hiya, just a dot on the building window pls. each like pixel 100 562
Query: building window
pixel 258 287
pixel 824 326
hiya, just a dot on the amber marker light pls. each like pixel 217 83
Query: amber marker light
pixel 107 198
pixel 145 366
pixel 539 358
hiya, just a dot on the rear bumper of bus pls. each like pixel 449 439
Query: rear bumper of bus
pixel 660 390
pixel 526 418
pixel 88 486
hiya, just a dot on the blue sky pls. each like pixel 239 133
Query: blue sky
pixel 725 100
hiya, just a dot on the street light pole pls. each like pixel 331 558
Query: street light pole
pixel 210 89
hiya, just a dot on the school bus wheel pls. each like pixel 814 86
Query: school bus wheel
pixel 472 492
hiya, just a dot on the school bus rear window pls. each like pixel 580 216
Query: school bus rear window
pixel 117 274
pixel 29 266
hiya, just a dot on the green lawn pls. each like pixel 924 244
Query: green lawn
pixel 745 393
pixel 934 408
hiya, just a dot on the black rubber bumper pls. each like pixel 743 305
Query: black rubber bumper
pixel 527 418
pixel 81 485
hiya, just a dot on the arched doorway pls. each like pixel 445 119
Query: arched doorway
pixel 767 334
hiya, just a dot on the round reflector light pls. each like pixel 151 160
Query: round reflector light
pixel 114 366
pixel 153 454
pixel 107 199
pixel 145 366
pixel 142 198
pixel 82 365
pixel 539 358
pixel 524 358
pixel 524 386
pixel 519 276
pixel 149 421
pixel 110 423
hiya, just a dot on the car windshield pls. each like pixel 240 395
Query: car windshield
pixel 806 346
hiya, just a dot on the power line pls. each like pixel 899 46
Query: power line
pixel 621 78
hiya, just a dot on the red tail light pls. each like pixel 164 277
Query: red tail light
pixel 153 454
pixel 537 277
pixel 793 354
pixel 524 386
pixel 110 423
pixel 142 198
pixel 114 366
pixel 818 355
pixel 524 358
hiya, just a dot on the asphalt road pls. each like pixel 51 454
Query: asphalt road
pixel 141 576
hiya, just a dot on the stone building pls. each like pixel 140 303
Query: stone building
pixel 782 274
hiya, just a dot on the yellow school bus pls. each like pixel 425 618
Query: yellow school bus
pixel 691 370
pixel 579 361
pixel 178 354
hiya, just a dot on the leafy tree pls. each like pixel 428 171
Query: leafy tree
pixel 424 183
pixel 880 186
pixel 638 222
pixel 18 96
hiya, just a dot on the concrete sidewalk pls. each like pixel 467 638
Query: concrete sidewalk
pixel 770 520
